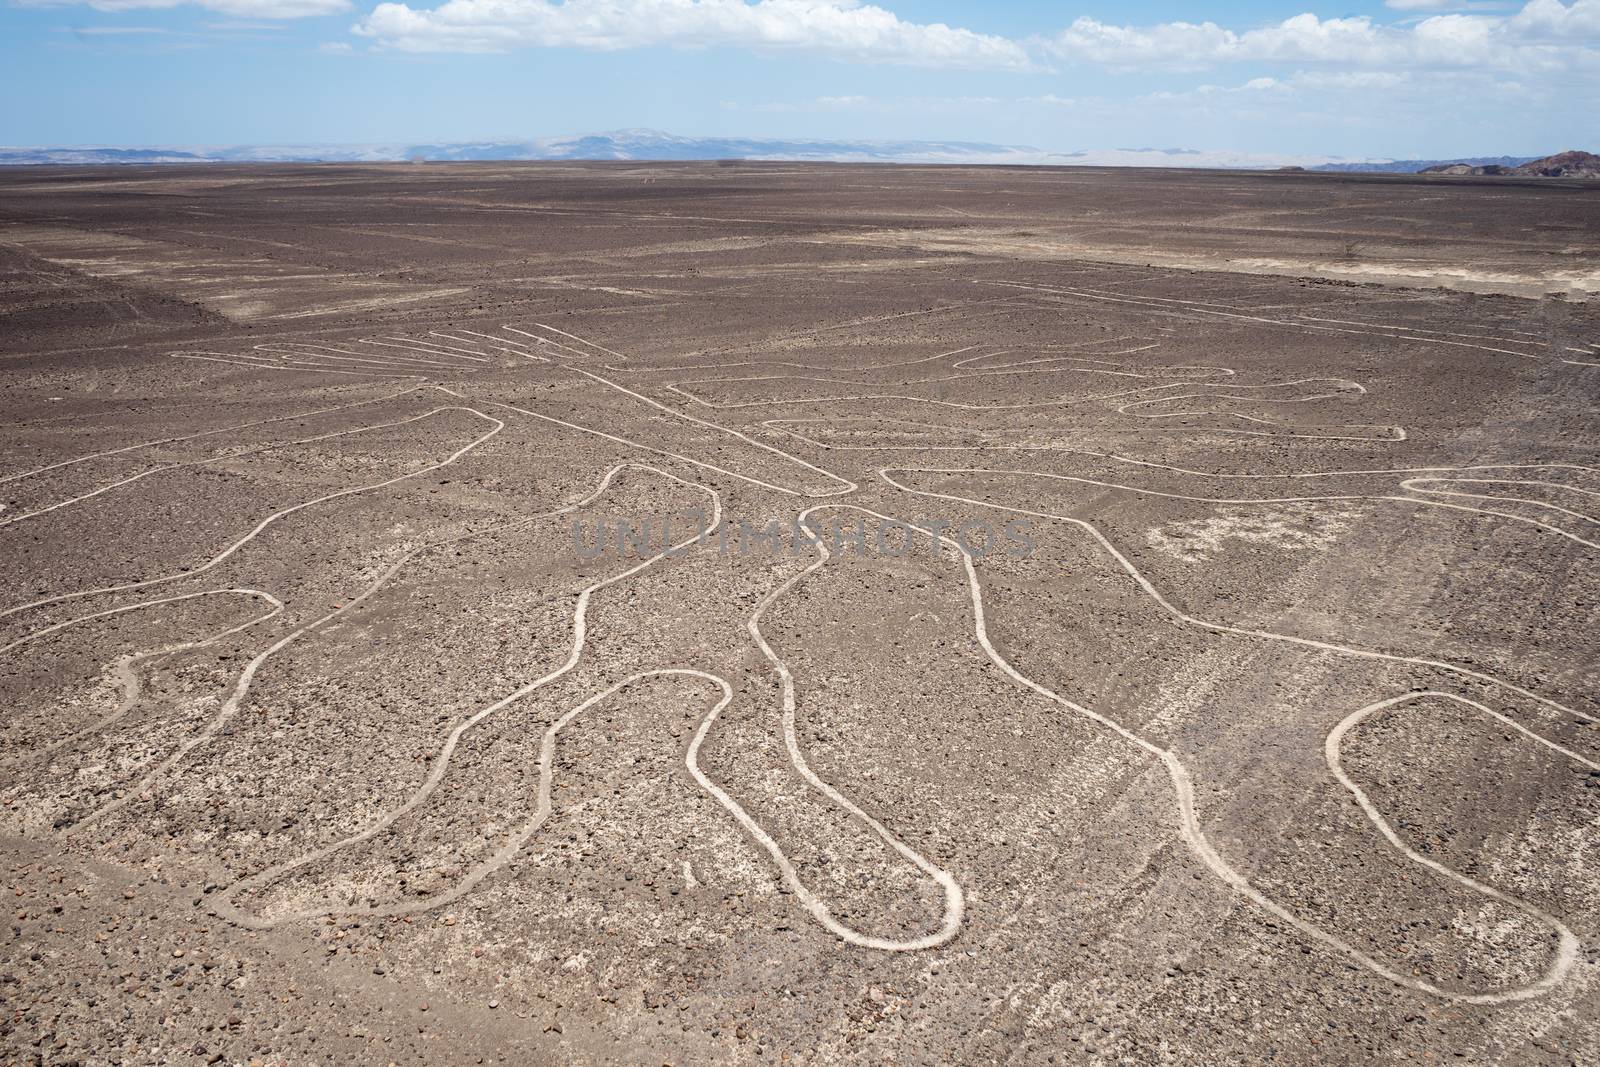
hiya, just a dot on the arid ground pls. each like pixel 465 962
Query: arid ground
pixel 760 613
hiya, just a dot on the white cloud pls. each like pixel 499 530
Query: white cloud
pixel 241 9
pixel 843 29
pixel 1539 36
pixel 1554 21
pixel 1543 34
pixel 1433 5
pixel 1347 80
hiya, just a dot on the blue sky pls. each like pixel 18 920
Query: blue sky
pixel 1406 78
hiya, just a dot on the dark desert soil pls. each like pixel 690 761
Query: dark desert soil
pixel 761 613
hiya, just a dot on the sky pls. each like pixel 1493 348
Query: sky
pixel 1372 79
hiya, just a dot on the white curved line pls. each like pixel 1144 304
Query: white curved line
pixel 495 344
pixel 1567 948
pixel 132 687
pixel 642 447
pixel 441 761
pixel 223 906
pixel 1415 485
pixel 106 488
pixel 272 348
pixel 1090 294
pixel 1144 583
pixel 206 433
pixel 325 360
pixel 954 899
pixel 780 426
pixel 576 352
pixel 583 340
pixel 426 348
pixel 1006 371
pixel 1189 822
pixel 781 363
pixel 334 359
pixel 1404 484
pixel 275 516
pixel 241 362
pixel 242 685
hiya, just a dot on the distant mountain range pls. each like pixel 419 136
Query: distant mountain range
pixel 655 145
pixel 1417 166
pixel 648 145
pixel 1570 164
pixel 1561 165
pixel 617 144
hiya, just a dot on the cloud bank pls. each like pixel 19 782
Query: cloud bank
pixel 838 28
pixel 242 9
pixel 1542 35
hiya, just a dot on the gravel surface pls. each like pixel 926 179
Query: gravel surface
pixel 797 614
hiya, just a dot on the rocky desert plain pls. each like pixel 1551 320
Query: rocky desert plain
pixel 777 614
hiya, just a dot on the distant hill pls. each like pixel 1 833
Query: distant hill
pixel 617 144
pixel 94 156
pixel 655 145
pixel 1572 164
pixel 1418 166
pixel 646 145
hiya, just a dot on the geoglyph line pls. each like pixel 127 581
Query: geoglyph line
pixel 242 686
pixel 497 344
pixel 1189 824
pixel 782 426
pixel 1567 942
pixel 224 906
pixel 1004 371
pixel 204 433
pixel 229 707
pixel 187 464
pixel 1188 818
pixel 274 348
pixel 1385 433
pixel 275 516
pixel 1168 308
pixel 1408 483
pixel 846 485
pixel 127 676
pixel 324 361
pixel 425 347
pixel 239 361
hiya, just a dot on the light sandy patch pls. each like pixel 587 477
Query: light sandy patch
pixel 1529 283
pixel 241 288
pixel 1293 528
pixel 1574 284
